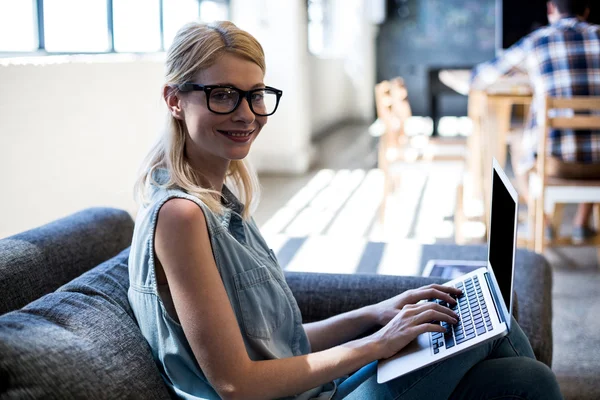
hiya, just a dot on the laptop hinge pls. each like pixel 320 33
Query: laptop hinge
pixel 496 300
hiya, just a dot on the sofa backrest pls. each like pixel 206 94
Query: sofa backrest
pixel 81 341
pixel 36 262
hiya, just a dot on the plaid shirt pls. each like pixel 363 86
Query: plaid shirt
pixel 562 60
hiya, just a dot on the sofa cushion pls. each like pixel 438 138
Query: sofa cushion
pixel 38 261
pixel 81 341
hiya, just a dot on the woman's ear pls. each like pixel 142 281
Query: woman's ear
pixel 171 96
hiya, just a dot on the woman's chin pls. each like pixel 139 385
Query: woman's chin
pixel 238 155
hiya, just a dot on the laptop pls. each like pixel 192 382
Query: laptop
pixel 485 307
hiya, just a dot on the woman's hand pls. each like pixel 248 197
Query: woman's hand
pixel 386 310
pixel 410 322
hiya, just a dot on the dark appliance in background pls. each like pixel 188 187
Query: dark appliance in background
pixel 517 18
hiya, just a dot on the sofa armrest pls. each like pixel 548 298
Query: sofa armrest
pixel 321 296
pixel 38 261
pixel 533 284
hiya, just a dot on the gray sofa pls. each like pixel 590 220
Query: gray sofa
pixel 67 331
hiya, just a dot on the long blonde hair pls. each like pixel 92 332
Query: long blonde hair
pixel 197 46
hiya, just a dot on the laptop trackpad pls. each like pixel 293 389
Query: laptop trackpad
pixel 420 343
pixel 417 353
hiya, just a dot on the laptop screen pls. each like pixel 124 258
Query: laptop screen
pixel 502 235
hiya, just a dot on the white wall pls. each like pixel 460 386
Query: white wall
pixel 73 130
pixel 334 98
pixel 72 135
pixel 342 80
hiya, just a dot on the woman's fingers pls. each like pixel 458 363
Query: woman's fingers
pixel 434 315
pixel 423 307
pixel 425 328
pixel 415 320
pixel 427 293
pixel 452 291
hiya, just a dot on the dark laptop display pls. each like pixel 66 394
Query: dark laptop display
pixel 502 236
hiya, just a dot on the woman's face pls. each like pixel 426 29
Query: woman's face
pixel 213 138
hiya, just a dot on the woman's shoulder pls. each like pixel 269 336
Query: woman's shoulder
pixel 177 208
pixel 180 211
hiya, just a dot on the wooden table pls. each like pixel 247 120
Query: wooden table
pixel 490 111
pixel 495 128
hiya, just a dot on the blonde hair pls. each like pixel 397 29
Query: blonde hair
pixel 198 46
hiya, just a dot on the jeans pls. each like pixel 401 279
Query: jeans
pixel 504 368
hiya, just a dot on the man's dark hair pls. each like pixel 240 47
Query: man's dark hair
pixel 571 7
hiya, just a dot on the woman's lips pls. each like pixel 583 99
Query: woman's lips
pixel 236 135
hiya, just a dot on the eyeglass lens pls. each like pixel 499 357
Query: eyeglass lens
pixel 224 100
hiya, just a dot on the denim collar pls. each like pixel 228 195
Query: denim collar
pixel 230 201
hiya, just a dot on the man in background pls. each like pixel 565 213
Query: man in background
pixel 562 60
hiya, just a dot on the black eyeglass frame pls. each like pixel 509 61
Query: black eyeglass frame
pixel 243 94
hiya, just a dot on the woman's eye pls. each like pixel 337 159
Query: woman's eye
pixel 223 96
pixel 259 96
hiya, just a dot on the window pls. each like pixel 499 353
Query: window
pixel 99 26
pixel 76 26
pixel 176 13
pixel 18 25
pixel 318 22
pixel 136 25
pixel 331 26
pixel 211 10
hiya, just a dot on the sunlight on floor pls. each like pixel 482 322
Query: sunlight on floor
pixel 335 221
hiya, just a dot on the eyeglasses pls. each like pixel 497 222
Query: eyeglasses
pixel 226 99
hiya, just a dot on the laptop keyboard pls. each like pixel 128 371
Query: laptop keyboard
pixel 474 318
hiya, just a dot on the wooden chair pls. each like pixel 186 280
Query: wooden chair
pixel 547 192
pixel 393 109
pixel 397 148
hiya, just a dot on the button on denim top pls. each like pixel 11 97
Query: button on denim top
pixel 266 311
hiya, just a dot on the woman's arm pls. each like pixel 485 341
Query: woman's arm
pixel 340 328
pixel 183 247
pixel 347 326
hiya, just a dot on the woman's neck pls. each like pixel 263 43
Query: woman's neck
pixel 211 175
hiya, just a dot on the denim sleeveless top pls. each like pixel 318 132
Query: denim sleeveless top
pixel 266 311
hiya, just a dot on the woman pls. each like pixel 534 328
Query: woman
pixel 207 291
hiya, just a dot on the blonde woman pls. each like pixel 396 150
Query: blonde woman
pixel 207 291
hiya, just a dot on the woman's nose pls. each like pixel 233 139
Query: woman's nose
pixel 243 112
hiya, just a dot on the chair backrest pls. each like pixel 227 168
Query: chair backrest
pixel 400 105
pixel 569 119
pixel 393 109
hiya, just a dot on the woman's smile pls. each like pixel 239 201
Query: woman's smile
pixel 240 136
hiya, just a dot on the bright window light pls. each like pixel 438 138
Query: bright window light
pixel 177 13
pixel 213 11
pixel 316 26
pixel 76 26
pixel 136 25
pixel 18 30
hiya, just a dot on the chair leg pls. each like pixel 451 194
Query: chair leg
pixel 596 222
pixel 386 193
pixel 531 222
pixel 596 216
pixel 557 217
pixel 459 214
pixel 539 225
